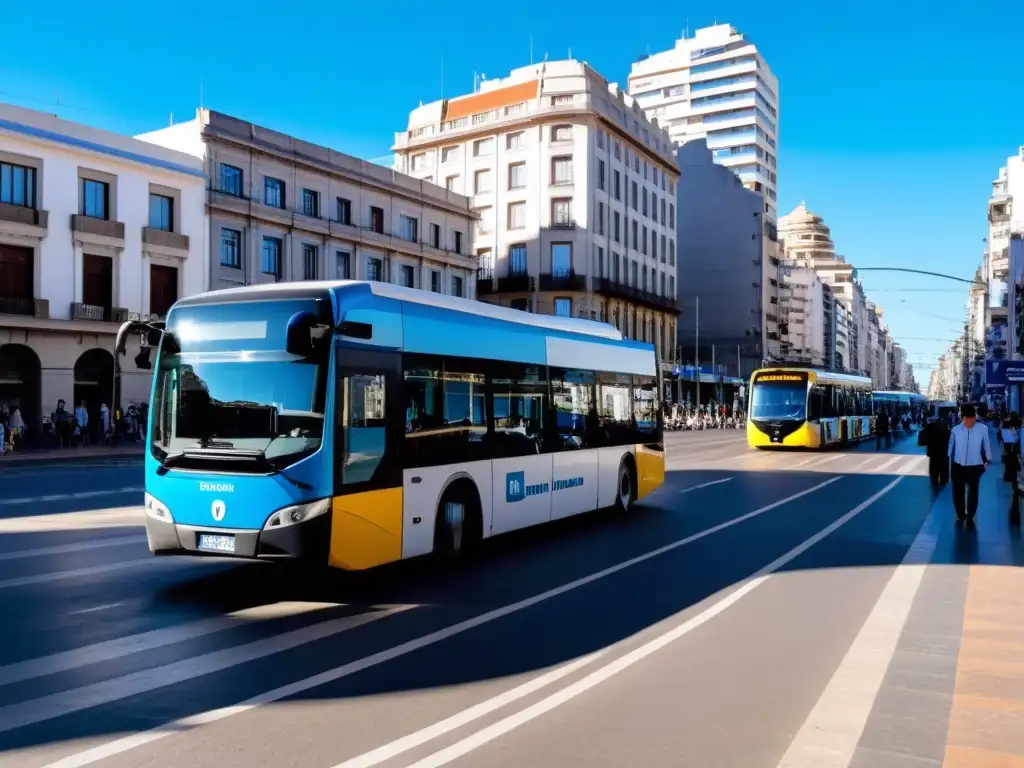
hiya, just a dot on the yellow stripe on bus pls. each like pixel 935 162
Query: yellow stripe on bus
pixel 366 529
pixel 650 470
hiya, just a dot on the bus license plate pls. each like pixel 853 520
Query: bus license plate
pixel 217 543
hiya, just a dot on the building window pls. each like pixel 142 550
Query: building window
pixel 671 214
pixel 272 257
pixel 161 213
pixel 458 242
pixel 616 185
pixel 563 307
pixel 561 213
pixel 664 250
pixel 600 218
pixel 662 284
pixel 231 248
pixel 374 269
pixel 643 241
pixel 616 224
pixel 419 162
pixel 485 220
pixel 600 174
pixel 635 201
pixel 600 139
pixel 452 183
pixel 406 276
pixel 163 288
pixel 517 176
pixel 343 265
pixel 457 286
pixel 672 252
pixel 344 211
pixel 435 236
pixel 377 219
pixel 516 215
pixel 562 100
pixel 485 259
pixel 17 185
pixel 483 147
pixel 435 281
pixel 634 273
pixel 517 260
pixel 654 246
pixel 561 259
pixel 98 282
pixel 230 180
pixel 311 203
pixel 561 170
pixel 310 257
pixel 273 192
pixel 449 154
pixel 599 261
pixel 95 198
pixel 515 140
pixel 561 133
pixel 409 228
pixel 482 181
pixel 636 234
pixel 644 211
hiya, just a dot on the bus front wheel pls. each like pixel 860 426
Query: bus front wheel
pixel 459 524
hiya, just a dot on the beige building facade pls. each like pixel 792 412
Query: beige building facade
pixel 95 229
pixel 282 209
pixel 574 190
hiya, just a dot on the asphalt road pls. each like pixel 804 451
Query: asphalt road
pixel 699 630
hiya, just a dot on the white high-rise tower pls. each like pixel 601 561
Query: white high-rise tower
pixel 716 85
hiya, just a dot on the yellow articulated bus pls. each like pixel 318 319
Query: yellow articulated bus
pixel 807 408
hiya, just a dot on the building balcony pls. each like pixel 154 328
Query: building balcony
pixel 19 214
pixel 95 313
pixel 562 280
pixel 516 282
pixel 164 239
pixel 87 225
pixel 613 290
pixel 484 281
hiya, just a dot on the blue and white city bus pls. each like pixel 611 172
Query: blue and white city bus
pixel 359 423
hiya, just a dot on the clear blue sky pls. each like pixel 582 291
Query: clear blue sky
pixel 894 117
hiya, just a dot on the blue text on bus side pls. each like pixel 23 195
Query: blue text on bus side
pixel 516 488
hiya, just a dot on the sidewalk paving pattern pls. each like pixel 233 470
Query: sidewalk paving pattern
pixel 953 693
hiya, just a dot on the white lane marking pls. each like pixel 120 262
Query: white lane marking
pixel 72 496
pixel 148 641
pixel 92 570
pixel 95 608
pixel 78 546
pixel 891 462
pixel 706 485
pixel 503 726
pixel 829 737
pixel 114 517
pixel 45 708
pixel 126 743
pixel 466 716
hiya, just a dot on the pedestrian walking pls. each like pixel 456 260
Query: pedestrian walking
pixel 1009 436
pixel 970 453
pixel 935 438
pixel 882 430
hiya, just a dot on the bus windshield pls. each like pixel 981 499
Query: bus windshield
pixel 219 392
pixel 779 400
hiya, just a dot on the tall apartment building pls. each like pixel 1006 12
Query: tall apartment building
pixel 717 86
pixel 283 209
pixel 574 190
pixel 802 310
pixel 727 254
pixel 95 229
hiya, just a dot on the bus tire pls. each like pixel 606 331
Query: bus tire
pixel 458 526
pixel 625 486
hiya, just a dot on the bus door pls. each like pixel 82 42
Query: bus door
pixel 367 519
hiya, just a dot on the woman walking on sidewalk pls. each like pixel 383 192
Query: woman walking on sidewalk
pixel 970 452
pixel 1009 436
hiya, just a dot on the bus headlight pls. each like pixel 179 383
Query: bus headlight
pixel 300 513
pixel 158 510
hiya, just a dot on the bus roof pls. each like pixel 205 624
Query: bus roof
pixel 412 295
pixel 820 374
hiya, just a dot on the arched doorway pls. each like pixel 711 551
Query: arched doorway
pixel 20 384
pixel 94 382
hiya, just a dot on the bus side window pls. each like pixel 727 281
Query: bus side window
pixel 363 425
pixel 828 402
pixel 573 394
pixel 645 407
pixel 815 409
pixel 614 409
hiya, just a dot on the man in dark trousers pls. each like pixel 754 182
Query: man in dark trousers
pixel 882 430
pixel 970 453
pixel 935 438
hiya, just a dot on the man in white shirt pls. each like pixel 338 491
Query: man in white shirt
pixel 970 453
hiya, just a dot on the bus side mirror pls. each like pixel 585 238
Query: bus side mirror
pixel 306 335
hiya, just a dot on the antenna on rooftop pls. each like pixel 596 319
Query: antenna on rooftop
pixel 531 50
pixel 442 74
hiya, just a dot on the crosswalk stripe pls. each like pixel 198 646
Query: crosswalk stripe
pixel 148 641
pixel 87 696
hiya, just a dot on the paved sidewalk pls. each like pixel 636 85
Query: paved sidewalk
pixel 60 455
pixel 953 692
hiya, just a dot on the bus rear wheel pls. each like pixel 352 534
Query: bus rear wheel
pixel 625 487
pixel 459 526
